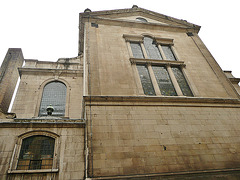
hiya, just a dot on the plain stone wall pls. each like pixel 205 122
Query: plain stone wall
pixel 112 73
pixel 71 157
pixel 28 98
pixel 144 139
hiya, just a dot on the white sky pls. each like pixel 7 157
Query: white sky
pixel 48 29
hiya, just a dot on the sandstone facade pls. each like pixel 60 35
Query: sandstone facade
pixel 112 126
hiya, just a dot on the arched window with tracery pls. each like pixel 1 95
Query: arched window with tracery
pixel 36 153
pixel 54 94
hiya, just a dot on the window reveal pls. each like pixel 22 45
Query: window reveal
pixel 36 153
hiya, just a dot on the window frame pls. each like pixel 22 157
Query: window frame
pixel 40 94
pixel 17 150
pixel 60 99
pixel 157 62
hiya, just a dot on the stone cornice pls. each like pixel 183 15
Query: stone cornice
pixel 161 100
pixel 139 10
pixel 45 70
pixel 156 62
pixel 38 124
pixel 234 80
pixel 121 22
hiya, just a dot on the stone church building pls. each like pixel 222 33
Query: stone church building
pixel 143 99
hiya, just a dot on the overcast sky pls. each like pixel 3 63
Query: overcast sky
pixel 48 29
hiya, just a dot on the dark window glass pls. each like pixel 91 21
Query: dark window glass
pixel 36 153
pixel 54 93
pixel 145 80
pixel 164 82
pixel 141 19
pixel 136 50
pixel 168 52
pixel 152 49
pixel 182 81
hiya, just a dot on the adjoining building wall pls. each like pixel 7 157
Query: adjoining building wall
pixel 132 136
pixel 35 75
pixel 9 76
pixel 69 153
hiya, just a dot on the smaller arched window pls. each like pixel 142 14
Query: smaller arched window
pixel 54 94
pixel 141 19
pixel 36 153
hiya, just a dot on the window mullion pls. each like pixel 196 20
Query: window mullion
pixel 129 49
pixel 174 81
pixel 144 51
pixel 154 81
pixel 161 51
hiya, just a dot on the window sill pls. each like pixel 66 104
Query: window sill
pixel 156 61
pixel 32 171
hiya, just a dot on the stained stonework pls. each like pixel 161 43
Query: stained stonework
pixel 110 127
pixel 9 76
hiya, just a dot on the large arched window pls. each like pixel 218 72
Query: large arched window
pixel 36 153
pixel 54 94
pixel 152 48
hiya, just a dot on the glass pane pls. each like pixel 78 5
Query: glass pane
pixel 152 49
pixel 168 52
pixel 182 81
pixel 145 80
pixel 34 150
pixel 54 93
pixel 136 50
pixel 141 19
pixel 164 82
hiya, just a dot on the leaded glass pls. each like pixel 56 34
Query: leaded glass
pixel 168 52
pixel 145 80
pixel 36 153
pixel 182 81
pixel 152 49
pixel 136 50
pixel 164 82
pixel 54 94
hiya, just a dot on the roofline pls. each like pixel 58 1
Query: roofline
pixel 138 9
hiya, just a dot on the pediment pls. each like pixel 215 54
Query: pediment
pixel 133 14
pixel 140 19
